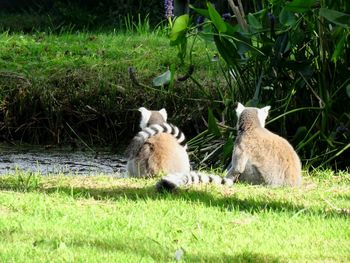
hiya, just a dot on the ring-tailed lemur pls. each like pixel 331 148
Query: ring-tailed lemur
pixel 158 147
pixel 259 156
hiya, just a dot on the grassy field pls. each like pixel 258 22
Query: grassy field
pixel 52 84
pixel 43 54
pixel 104 219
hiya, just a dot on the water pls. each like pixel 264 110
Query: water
pixel 53 161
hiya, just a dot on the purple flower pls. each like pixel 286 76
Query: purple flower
pixel 226 16
pixel 341 128
pixel 199 22
pixel 271 17
pixel 169 8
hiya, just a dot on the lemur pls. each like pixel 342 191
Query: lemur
pixel 158 148
pixel 259 156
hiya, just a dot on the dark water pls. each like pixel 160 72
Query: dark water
pixel 53 161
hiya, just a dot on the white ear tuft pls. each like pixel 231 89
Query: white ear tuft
pixel 164 114
pixel 145 115
pixel 266 109
pixel 262 115
pixel 142 109
pixel 240 108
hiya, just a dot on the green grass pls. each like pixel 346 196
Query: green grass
pixel 82 79
pixel 99 219
pixel 42 54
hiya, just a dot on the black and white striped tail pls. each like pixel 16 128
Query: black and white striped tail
pixel 173 181
pixel 160 128
pixel 152 130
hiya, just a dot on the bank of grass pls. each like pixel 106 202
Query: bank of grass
pixel 99 219
pixel 53 87
pixel 43 54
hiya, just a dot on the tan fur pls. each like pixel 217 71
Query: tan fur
pixel 160 154
pixel 262 157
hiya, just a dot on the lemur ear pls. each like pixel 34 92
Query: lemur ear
pixel 239 109
pixel 266 109
pixel 164 114
pixel 262 115
pixel 145 115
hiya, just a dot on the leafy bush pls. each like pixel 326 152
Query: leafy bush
pixel 292 55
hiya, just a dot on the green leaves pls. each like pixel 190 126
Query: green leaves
pixel 179 30
pixel 348 90
pixel 253 22
pixel 300 6
pixel 227 50
pixel 212 125
pixel 203 12
pixel 339 48
pixel 216 19
pixel 178 35
pixel 287 18
pixel 336 17
pixel 343 21
pixel 228 148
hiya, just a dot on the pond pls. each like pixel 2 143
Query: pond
pixel 60 160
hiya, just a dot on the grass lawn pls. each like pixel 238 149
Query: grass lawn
pixel 104 219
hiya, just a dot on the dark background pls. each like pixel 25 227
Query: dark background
pixel 77 14
pixel 36 15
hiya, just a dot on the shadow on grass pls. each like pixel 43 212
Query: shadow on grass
pixel 147 191
pixel 148 248
pixel 245 257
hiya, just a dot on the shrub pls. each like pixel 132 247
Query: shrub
pixel 291 55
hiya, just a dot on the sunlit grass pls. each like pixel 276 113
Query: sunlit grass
pixel 94 219
pixel 42 54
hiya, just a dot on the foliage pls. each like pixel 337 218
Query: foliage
pixel 291 55
pixel 99 219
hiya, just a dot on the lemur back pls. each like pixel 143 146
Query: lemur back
pixel 158 147
pixel 259 157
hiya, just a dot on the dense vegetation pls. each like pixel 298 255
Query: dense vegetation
pixel 99 219
pixel 293 56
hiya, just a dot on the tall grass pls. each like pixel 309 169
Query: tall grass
pixel 142 26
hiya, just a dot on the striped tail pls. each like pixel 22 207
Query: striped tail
pixel 172 181
pixel 152 130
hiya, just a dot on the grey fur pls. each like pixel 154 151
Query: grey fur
pixel 155 118
pixel 150 117
pixel 260 156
